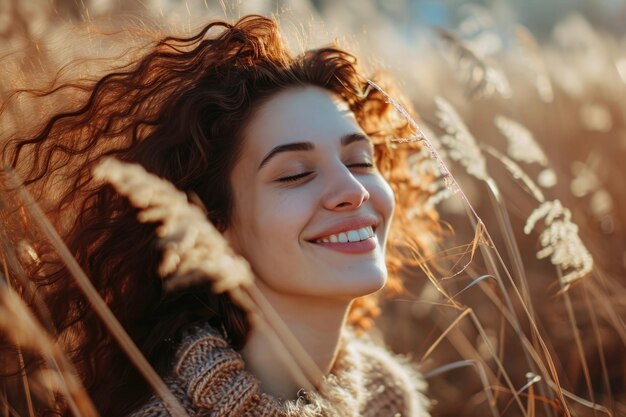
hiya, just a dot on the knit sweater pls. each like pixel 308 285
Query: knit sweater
pixel 209 379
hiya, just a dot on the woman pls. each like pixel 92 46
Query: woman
pixel 293 159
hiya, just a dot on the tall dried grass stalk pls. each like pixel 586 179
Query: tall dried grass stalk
pixel 98 304
pixel 459 137
pixel 431 143
pixel 517 172
pixel 193 250
pixel 468 153
pixel 18 323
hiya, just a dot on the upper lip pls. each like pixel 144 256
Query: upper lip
pixel 344 225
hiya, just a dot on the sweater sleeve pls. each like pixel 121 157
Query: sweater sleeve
pixel 396 388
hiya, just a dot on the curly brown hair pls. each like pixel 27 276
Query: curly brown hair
pixel 179 110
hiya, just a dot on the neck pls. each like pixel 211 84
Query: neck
pixel 315 322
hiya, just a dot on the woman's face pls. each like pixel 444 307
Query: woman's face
pixel 311 212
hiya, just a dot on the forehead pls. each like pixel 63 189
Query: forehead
pixel 300 114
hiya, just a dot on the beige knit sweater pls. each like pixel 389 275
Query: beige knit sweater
pixel 209 379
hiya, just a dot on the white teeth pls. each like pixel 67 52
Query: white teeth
pixel 349 236
pixel 353 236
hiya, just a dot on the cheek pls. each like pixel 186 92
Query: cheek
pixel 383 198
pixel 281 216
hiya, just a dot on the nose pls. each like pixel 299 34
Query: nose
pixel 345 191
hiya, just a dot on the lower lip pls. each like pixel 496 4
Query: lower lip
pixel 362 246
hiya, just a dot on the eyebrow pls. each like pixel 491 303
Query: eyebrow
pixel 308 146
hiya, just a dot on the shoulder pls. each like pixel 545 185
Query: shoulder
pixel 208 375
pixel 393 383
pixel 214 377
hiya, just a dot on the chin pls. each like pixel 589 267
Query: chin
pixel 376 285
pixel 366 283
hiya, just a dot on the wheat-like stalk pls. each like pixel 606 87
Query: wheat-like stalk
pixel 560 241
pixel 424 164
pixel 522 145
pixel 92 295
pixel 461 146
pixel 460 143
pixel 193 249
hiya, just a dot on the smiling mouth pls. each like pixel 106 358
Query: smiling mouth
pixel 355 241
pixel 349 236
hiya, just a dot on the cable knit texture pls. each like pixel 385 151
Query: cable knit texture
pixel 209 379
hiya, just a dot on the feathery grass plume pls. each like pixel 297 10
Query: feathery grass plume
pixel 193 248
pixel 523 147
pixel 424 164
pixel 560 241
pixel 476 166
pixel 20 326
pixel 460 143
pixel 480 79
pixel 92 295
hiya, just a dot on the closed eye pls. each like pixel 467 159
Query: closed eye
pixel 295 177
pixel 361 165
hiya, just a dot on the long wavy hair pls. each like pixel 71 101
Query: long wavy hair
pixel 178 109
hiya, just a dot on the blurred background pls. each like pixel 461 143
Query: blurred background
pixel 532 92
